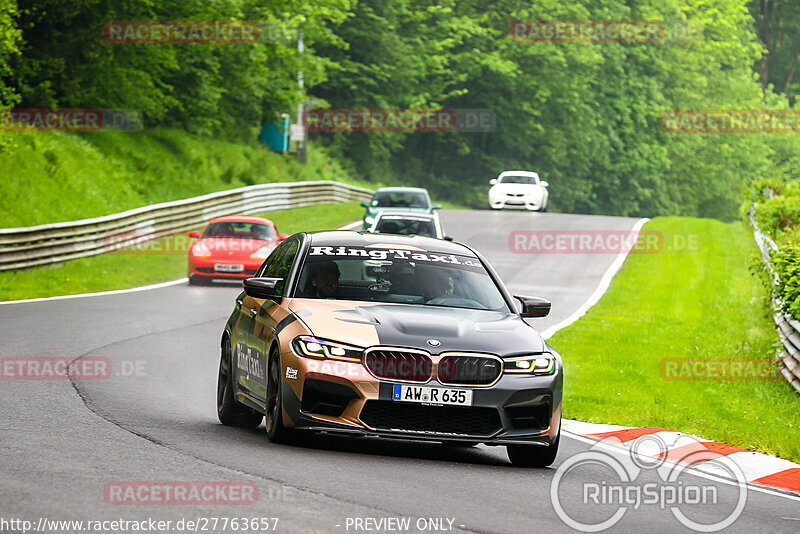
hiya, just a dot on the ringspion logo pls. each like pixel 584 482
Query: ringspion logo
pixel 593 490
pixel 180 32
pixel 586 31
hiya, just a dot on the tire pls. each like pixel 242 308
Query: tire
pixel 533 455
pixel 276 431
pixel 229 411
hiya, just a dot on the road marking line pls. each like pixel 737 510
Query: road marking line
pixel 101 293
pixel 601 288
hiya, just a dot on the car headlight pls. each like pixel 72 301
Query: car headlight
pixel 263 252
pixel 369 220
pixel 533 364
pixel 201 251
pixel 312 347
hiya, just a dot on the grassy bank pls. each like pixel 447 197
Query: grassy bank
pixel 161 260
pixel 626 360
pixel 51 176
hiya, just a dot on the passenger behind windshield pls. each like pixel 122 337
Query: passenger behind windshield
pixel 240 230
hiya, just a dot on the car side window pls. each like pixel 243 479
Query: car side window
pixel 270 264
pixel 284 266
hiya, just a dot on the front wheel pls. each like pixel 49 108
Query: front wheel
pixel 533 455
pixel 276 431
pixel 229 411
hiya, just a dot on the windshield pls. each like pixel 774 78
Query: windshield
pixel 398 275
pixel 400 199
pixel 406 226
pixel 240 230
pixel 515 179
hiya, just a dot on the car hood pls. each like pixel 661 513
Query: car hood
pixel 406 325
pixel 514 188
pixel 232 248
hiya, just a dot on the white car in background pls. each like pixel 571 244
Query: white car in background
pixel 405 223
pixel 518 189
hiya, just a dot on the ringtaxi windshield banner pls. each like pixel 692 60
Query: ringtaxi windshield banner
pixel 397 254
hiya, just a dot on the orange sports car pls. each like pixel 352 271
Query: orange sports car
pixel 390 336
pixel 232 247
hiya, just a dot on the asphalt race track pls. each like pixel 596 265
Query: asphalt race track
pixel 62 442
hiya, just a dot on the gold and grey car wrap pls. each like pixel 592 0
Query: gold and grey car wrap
pixel 348 393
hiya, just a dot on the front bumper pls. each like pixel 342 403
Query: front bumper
pixel 529 203
pixel 205 268
pixel 345 398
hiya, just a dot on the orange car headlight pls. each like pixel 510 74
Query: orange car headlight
pixel 312 347
pixel 200 250
pixel 533 364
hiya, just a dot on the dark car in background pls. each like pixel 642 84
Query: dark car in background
pixel 414 199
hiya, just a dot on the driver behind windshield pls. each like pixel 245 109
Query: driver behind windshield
pixel 325 280
pixel 440 286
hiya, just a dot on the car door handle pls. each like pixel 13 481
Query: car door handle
pixel 253 311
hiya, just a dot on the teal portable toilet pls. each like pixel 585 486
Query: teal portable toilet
pixel 276 135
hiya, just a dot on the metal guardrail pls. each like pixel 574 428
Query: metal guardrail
pixel 788 328
pixel 21 248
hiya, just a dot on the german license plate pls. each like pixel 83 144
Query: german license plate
pixel 228 268
pixel 432 395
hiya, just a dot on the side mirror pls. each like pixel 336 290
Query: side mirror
pixel 261 288
pixel 281 237
pixel 448 238
pixel 364 204
pixel 493 181
pixel 436 207
pixel 544 184
pixel 534 306
pixel 195 234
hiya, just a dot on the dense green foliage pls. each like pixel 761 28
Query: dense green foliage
pixel 585 116
pixel 89 175
pixel 776 210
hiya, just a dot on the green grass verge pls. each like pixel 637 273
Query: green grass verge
pixel 702 304
pixel 53 176
pixel 161 260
